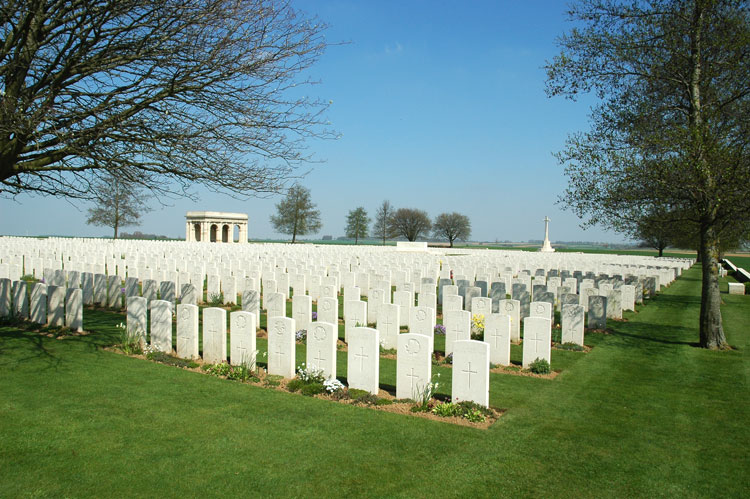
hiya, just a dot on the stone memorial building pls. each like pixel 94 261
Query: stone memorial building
pixel 215 226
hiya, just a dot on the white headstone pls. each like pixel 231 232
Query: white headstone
pixel 497 334
pixel 422 321
pixel 242 336
pixel 275 305
pixel 281 346
pixel 161 326
pixel 363 359
pixel 388 325
pixel 471 372
pixel 214 335
pixel 302 311
pixel 541 309
pixel 328 310
pixel 413 365
pixel 457 328
pixel 187 330
pixel 74 309
pixel 136 317
pixel 321 347
pixel 537 337
pixel 56 305
pixel 572 324
pixel 355 315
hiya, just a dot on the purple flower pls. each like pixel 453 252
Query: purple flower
pixel 315 316
pixel 440 329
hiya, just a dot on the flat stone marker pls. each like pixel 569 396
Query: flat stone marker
pixel 413 365
pixel 321 347
pixel 481 306
pixel 251 301
pixel 328 310
pixel 281 346
pixel 56 305
pixel 363 359
pixel 38 312
pixel 471 372
pixel 388 325
pixel 497 335
pixel 354 316
pixel 214 335
pixel 74 309
pixel 537 337
pixel 735 288
pixel 422 321
pixel 302 311
pixel 161 326
pixel 572 324
pixel 275 305
pixel 242 338
pixel 457 328
pixel 137 308
pixel 187 331
pixel 541 309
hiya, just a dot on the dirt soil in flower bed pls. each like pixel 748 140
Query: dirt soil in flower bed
pixel 397 407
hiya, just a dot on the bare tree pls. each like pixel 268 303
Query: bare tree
pixel 410 223
pixel 164 93
pixel 117 204
pixel 452 226
pixel 382 227
pixel 296 214
pixel 356 224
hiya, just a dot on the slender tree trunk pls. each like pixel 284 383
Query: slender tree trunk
pixel 711 329
pixel 661 251
pixel 451 241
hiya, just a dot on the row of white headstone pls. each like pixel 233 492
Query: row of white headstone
pixel 471 359
pixel 43 304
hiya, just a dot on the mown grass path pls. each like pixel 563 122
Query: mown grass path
pixel 645 413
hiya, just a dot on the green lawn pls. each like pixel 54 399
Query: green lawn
pixel 645 413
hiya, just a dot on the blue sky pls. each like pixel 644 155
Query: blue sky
pixel 440 106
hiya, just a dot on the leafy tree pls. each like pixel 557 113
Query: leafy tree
pixel 410 223
pixel 357 222
pixel 296 214
pixel 168 93
pixel 382 227
pixel 673 123
pixel 452 226
pixel 118 203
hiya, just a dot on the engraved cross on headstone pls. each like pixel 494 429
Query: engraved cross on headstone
pixel 361 356
pixel 469 372
pixel 412 378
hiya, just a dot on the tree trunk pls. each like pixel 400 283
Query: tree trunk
pixel 661 251
pixel 294 237
pixel 116 230
pixel 451 241
pixel 711 330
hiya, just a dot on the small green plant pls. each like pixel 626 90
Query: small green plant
pixel 273 380
pixel 362 396
pixel 215 299
pixel 295 384
pixel 131 343
pixel 311 389
pixel 574 347
pixel 165 358
pixel 468 410
pixel 423 395
pixel 382 401
pixel 540 366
